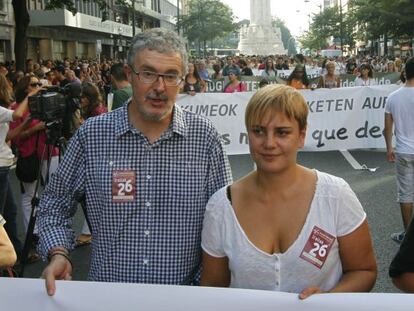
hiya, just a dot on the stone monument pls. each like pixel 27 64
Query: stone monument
pixel 260 38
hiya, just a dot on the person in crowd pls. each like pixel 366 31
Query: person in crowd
pixel 330 80
pixel 146 170
pixel 245 70
pixel 234 85
pixel 230 66
pixel 7 253
pixel 398 65
pixel 402 266
pixel 351 66
pixel 403 77
pixel 60 76
pixel 193 83
pixel 298 79
pixel 8 206
pixel 121 88
pixel 31 140
pixel 72 78
pixel 217 72
pixel 39 73
pixel 269 71
pixel 91 106
pixel 50 76
pixel 280 64
pixel 391 66
pixel 202 70
pixel 285 227
pixel 366 76
pixel 399 115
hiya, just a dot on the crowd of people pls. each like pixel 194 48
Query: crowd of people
pixel 157 186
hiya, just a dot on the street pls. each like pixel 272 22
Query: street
pixel 375 190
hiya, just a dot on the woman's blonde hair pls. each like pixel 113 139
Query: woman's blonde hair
pixel 277 98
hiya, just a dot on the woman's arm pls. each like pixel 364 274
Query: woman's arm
pixel 12 134
pixel 216 271
pixel 358 263
pixel 7 254
pixel 24 105
pixel 33 130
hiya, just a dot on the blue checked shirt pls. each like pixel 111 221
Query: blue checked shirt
pixel 155 238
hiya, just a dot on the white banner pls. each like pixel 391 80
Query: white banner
pixel 339 119
pixel 30 294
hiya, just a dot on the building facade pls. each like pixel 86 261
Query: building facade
pixel 89 34
pixel 6 31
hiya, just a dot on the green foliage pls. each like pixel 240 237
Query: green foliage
pixel 383 17
pixel 288 43
pixel 207 20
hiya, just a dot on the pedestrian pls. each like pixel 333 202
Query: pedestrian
pixel 7 254
pixel 146 170
pixel 121 88
pixel 399 115
pixel 285 227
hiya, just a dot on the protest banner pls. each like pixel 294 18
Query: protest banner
pixel 346 80
pixel 30 294
pixel 339 119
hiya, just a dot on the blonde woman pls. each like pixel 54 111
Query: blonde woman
pixel 285 227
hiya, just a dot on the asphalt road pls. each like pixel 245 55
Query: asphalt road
pixel 375 190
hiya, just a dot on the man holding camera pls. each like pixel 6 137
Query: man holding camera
pixel 146 170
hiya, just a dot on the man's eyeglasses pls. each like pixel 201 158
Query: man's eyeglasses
pixel 36 84
pixel 149 77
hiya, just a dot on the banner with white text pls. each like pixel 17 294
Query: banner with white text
pixel 339 119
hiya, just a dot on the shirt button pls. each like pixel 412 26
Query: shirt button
pixel 277 283
pixel 145 262
pixel 148 176
pixel 277 269
pixel 147 204
pixel 146 232
pixel 111 163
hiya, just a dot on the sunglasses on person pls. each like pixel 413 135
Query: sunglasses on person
pixel 36 84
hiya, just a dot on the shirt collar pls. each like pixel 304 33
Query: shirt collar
pixel 122 124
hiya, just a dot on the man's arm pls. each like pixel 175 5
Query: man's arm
pixel 56 210
pixel 388 125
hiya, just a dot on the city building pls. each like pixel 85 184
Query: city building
pixel 6 30
pixel 90 33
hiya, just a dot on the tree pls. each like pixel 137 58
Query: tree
pixel 326 24
pixel 376 18
pixel 206 20
pixel 286 35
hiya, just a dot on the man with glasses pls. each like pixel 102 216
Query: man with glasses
pixel 147 171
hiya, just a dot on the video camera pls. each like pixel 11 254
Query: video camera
pixel 55 103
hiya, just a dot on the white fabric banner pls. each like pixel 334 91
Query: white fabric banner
pixel 30 294
pixel 339 119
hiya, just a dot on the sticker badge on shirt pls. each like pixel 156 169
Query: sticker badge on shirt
pixel 123 186
pixel 317 247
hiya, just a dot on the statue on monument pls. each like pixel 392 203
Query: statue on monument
pixel 260 38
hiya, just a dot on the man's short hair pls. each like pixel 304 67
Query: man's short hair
pixel 118 73
pixel 409 68
pixel 160 40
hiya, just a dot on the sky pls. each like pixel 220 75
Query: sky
pixel 293 12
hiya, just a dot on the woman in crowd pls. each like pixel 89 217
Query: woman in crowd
pixel 391 66
pixel 234 85
pixel 31 140
pixel 298 79
pixel 91 106
pixel 269 71
pixel 217 75
pixel 192 82
pixel 285 227
pixel 8 206
pixel 330 80
pixel 366 76
pixel 7 254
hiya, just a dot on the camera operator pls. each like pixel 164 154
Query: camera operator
pixel 8 206
pixel 31 142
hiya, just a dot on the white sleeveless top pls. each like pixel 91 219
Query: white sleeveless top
pixel 312 260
